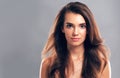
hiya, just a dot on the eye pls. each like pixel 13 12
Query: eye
pixel 82 26
pixel 69 25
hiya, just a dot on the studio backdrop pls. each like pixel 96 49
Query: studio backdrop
pixel 25 25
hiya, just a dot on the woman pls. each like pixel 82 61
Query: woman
pixel 75 48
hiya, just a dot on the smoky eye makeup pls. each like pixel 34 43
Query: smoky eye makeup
pixel 83 25
pixel 69 25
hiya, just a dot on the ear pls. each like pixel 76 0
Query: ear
pixel 62 29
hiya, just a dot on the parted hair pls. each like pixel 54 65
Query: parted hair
pixel 56 46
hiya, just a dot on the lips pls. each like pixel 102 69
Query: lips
pixel 75 39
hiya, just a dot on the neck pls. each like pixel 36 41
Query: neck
pixel 76 52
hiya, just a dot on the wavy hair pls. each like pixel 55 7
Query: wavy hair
pixel 56 46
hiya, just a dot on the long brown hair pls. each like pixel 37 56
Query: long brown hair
pixel 56 46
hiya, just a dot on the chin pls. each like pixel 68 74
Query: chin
pixel 75 44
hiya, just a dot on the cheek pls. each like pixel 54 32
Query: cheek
pixel 84 33
pixel 67 34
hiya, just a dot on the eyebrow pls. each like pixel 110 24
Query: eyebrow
pixel 83 24
pixel 73 24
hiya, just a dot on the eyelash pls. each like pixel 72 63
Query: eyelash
pixel 69 25
pixel 83 26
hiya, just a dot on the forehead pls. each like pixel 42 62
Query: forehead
pixel 74 18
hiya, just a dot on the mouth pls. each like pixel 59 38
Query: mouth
pixel 75 39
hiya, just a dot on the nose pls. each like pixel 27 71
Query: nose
pixel 75 32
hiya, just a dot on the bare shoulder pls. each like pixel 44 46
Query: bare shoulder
pixel 44 67
pixel 46 61
pixel 106 72
pixel 105 67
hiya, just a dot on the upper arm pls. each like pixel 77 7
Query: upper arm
pixel 107 71
pixel 43 73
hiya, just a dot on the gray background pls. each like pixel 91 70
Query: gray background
pixel 25 24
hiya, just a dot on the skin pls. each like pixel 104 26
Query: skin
pixel 74 29
pixel 75 33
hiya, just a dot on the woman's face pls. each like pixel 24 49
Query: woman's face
pixel 74 29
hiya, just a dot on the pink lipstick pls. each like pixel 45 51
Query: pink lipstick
pixel 75 39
